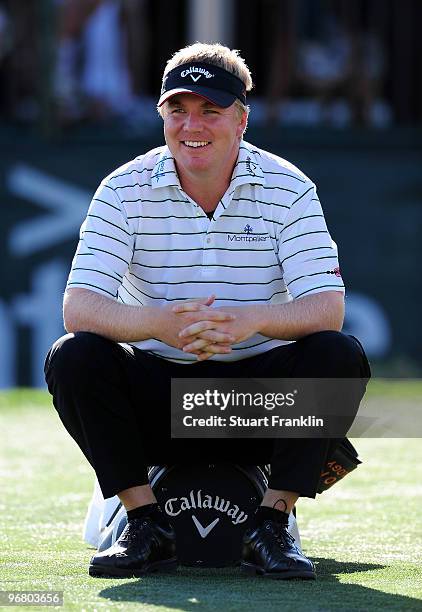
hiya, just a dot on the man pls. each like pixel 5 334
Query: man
pixel 165 285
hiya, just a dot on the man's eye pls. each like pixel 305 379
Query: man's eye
pixel 177 110
pixel 212 111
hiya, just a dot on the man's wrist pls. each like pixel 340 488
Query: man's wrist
pixel 150 321
pixel 262 317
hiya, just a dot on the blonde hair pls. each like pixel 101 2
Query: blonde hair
pixel 217 55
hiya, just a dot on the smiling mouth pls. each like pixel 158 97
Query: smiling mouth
pixel 195 144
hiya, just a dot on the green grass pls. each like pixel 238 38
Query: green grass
pixel 365 534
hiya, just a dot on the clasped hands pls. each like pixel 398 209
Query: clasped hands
pixel 206 331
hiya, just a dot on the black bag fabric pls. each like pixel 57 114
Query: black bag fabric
pixel 342 458
pixel 210 507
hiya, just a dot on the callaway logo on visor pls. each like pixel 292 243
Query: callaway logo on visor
pixel 192 69
pixel 206 80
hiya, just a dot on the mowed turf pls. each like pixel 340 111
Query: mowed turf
pixel 365 534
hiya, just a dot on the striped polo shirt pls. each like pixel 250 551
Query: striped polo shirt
pixel 146 242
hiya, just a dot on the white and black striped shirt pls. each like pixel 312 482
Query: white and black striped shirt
pixel 146 242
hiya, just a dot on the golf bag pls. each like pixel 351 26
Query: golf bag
pixel 209 506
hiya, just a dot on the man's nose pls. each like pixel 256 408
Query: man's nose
pixel 193 122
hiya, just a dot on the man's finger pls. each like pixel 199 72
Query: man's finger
pixel 189 307
pixel 218 337
pixel 192 305
pixel 213 349
pixel 206 330
pixel 200 344
pixel 205 321
pixel 210 300
pixel 204 356
pixel 196 328
pixel 196 345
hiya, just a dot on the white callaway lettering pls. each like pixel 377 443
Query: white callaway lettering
pixel 201 71
pixel 175 505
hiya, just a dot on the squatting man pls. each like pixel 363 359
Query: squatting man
pixel 163 284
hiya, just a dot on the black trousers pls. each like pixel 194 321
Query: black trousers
pixel 114 400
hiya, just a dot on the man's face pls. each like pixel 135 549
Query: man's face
pixel 203 138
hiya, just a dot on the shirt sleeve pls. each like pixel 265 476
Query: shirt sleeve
pixel 306 251
pixel 105 246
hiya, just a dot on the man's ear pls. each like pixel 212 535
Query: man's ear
pixel 242 124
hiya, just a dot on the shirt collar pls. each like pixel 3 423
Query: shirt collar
pixel 247 169
pixel 164 173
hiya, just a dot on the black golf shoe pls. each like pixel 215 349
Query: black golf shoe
pixel 144 546
pixel 270 550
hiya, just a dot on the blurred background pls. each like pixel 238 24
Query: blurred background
pixel 338 92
